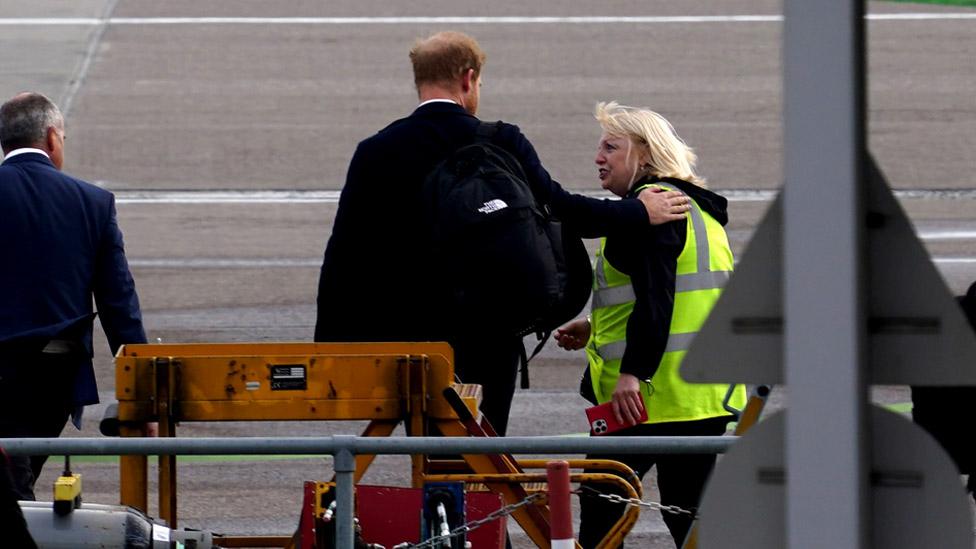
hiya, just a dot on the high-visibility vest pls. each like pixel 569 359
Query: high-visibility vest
pixel 704 266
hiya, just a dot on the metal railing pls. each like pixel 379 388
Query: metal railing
pixel 344 449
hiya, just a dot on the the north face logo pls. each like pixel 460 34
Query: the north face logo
pixel 493 206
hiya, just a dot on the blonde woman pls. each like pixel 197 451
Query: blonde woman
pixel 652 291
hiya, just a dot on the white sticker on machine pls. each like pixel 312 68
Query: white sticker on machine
pixel 288 377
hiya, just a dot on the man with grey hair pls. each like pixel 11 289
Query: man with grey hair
pixel 60 247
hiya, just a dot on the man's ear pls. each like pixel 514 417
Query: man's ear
pixel 52 140
pixel 467 80
pixel 55 146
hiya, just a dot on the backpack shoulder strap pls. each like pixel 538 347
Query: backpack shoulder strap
pixel 486 131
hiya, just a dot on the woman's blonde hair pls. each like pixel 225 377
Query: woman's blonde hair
pixel 669 155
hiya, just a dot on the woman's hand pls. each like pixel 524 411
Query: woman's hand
pixel 574 335
pixel 627 400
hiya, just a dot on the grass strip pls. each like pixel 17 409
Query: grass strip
pixel 964 3
pixel 898 407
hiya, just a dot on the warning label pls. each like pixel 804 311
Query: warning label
pixel 288 377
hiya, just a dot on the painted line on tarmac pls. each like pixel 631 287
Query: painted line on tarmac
pixel 767 195
pixel 903 408
pixel 503 20
pixel 332 197
pixel 224 263
pixel 94 43
pixel 927 234
pixel 316 262
pixel 227 197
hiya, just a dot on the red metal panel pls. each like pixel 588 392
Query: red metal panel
pixel 306 523
pixel 390 515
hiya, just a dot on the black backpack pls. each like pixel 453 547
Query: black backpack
pixel 508 266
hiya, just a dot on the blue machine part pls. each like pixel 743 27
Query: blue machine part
pixel 450 497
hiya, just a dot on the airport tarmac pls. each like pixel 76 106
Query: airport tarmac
pixel 225 128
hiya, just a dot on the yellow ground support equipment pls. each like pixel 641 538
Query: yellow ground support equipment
pixel 67 490
pixel 385 383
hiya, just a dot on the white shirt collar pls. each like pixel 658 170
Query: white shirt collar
pixel 24 150
pixel 437 101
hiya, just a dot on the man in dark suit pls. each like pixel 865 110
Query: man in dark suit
pixel 60 246
pixel 375 284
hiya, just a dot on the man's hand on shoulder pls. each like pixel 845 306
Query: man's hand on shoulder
pixel 664 206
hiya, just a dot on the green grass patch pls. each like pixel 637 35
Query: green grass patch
pixel 899 407
pixel 964 3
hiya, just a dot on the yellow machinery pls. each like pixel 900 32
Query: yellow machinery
pixel 67 490
pixel 385 383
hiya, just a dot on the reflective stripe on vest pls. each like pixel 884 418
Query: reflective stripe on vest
pixel 618 295
pixel 676 342
pixel 704 279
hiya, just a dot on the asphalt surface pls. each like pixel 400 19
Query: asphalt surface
pixel 164 112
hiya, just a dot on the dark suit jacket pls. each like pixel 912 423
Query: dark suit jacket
pixel 375 280
pixel 60 246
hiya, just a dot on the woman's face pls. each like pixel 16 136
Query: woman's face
pixel 617 163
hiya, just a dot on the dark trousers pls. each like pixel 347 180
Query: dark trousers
pixel 681 479
pixel 35 396
pixel 13 527
pixel 494 366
